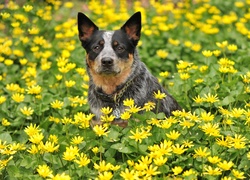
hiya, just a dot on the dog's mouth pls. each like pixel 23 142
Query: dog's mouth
pixel 108 71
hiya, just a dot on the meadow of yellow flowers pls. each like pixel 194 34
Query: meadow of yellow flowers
pixel 199 50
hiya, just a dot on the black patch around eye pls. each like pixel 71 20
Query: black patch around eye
pixel 122 45
pixel 122 39
pixel 95 45
pixel 95 38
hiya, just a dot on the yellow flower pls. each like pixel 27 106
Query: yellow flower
pixel 245 79
pixel 201 152
pixel 102 166
pixel 248 155
pixel 23 61
pixel 57 104
pixel 59 77
pixel 177 170
pixel 225 165
pixel 189 172
pixel 77 140
pixel 53 138
pixel 13 87
pixel 95 150
pixel 151 171
pixel 33 30
pixel 4 163
pixel 213 172
pixel 134 109
pixel 222 44
pixel 128 102
pixel 232 47
pixel 44 171
pixel 238 174
pixel 101 130
pixel 36 89
pixel 68 4
pixel 216 52
pixel 238 142
pixel 184 76
pixel 33 149
pixel 36 138
pixel 149 106
pixel 129 175
pixel 62 176
pixel 2 99
pixel 49 147
pixel 207 116
pixel 162 53
pixel 159 95
pixel 237 112
pixel 107 118
pixel 27 8
pixel 177 149
pixel 223 142
pixel 196 47
pixel 186 123
pixel 32 130
pixel 106 110
pixel 70 83
pixel 8 62
pixel 27 111
pixel 198 81
pixel 70 153
pixel 18 97
pixel 125 116
pixel 66 120
pixel 174 42
pixel 188 143
pixel 173 135
pixel 164 74
pixel 214 159
pixel 5 15
pixel 159 161
pixel 82 160
pixel 239 4
pixel 211 98
pixel 207 53
pixel 105 175
pixel 5 122
pixel 139 135
pixel 211 129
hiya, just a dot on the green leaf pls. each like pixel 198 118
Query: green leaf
pixel 6 137
pixel 227 100
pixel 113 136
pixel 122 148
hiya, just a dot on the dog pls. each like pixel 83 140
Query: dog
pixel 116 71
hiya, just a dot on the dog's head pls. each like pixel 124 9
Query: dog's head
pixel 109 53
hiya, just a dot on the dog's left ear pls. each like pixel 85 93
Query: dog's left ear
pixel 86 28
pixel 133 27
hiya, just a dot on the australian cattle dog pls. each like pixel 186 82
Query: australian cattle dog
pixel 116 71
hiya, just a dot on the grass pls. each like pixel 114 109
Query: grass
pixel 198 50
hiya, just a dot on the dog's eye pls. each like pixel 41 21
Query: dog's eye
pixel 120 48
pixel 97 47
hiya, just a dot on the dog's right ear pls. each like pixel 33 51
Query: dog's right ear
pixel 86 27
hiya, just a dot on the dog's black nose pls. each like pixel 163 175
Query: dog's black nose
pixel 107 62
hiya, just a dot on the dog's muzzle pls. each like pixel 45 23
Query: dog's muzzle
pixel 107 66
pixel 107 62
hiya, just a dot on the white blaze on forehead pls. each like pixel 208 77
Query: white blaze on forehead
pixel 107 37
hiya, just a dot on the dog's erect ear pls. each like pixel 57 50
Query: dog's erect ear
pixel 86 27
pixel 133 27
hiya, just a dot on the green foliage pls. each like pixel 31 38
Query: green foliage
pixel 197 49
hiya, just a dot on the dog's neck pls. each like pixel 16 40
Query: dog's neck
pixel 116 96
